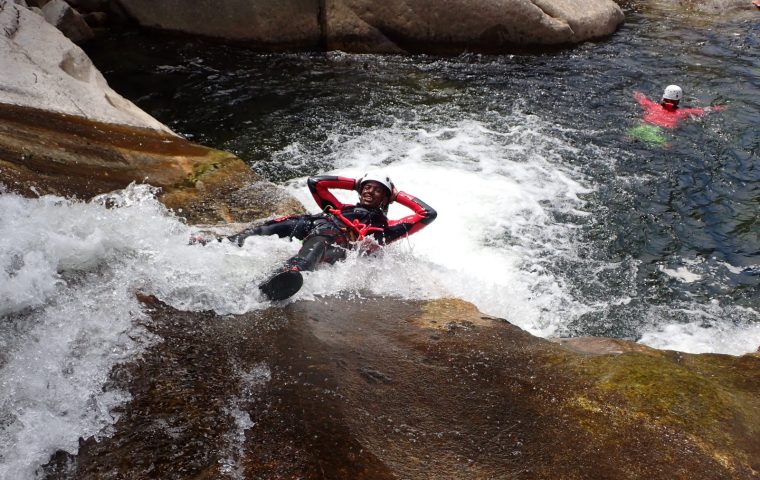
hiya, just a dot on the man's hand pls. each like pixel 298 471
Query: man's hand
pixel 394 194
pixel 198 239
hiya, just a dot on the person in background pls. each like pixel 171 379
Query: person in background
pixel 667 114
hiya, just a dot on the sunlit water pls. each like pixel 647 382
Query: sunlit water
pixel 550 215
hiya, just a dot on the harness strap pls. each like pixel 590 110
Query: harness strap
pixel 357 229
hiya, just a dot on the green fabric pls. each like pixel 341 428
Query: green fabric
pixel 651 134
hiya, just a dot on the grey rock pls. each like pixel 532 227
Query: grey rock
pixel 43 69
pixel 96 19
pixel 67 20
pixel 389 26
pixel 462 24
pixel 282 24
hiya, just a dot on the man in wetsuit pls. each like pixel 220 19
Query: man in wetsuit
pixel 327 236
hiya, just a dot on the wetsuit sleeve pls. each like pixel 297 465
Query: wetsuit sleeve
pixel 643 100
pixel 693 112
pixel 423 215
pixel 319 188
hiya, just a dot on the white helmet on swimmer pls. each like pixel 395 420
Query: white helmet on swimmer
pixel 672 92
pixel 383 180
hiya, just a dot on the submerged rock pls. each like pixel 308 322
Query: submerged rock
pixel 381 388
pixel 390 26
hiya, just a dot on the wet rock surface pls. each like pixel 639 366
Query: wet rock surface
pixel 381 388
pixel 63 131
pixel 44 152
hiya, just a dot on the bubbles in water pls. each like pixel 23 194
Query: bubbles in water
pixel 497 189
pixel 511 207
pixel 70 271
pixel 704 330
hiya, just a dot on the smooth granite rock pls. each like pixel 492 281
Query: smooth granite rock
pixel 371 388
pixel 390 26
pixel 40 68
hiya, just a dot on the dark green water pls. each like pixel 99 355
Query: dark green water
pixel 664 244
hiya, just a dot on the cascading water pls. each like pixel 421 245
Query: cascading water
pixel 549 215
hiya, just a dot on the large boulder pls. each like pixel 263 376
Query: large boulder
pixel 40 68
pixel 692 6
pixel 64 131
pixel 433 25
pixel 388 26
pixel 386 389
pixel 284 24
pixel 67 20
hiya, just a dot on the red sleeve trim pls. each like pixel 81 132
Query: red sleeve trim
pixel 408 201
pixel 319 188
pixel 423 215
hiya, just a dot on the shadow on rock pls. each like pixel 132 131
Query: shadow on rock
pixel 381 388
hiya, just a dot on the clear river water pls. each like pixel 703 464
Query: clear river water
pixel 552 213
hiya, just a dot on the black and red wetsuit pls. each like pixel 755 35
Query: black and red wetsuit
pixel 326 236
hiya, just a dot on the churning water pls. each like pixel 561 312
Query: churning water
pixel 550 214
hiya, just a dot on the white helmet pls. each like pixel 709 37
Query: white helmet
pixel 672 92
pixel 383 180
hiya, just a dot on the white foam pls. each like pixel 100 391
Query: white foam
pixel 681 273
pixel 494 191
pixel 710 331
pixel 70 271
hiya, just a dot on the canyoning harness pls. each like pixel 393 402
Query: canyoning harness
pixel 353 230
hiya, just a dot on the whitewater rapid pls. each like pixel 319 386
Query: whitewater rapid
pixel 509 202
